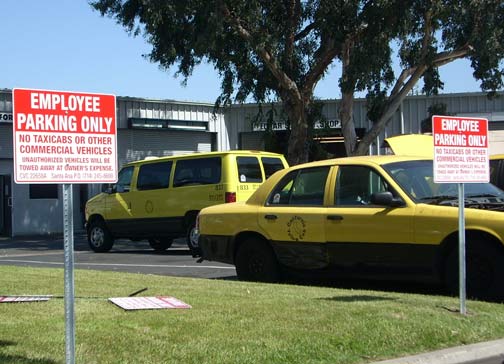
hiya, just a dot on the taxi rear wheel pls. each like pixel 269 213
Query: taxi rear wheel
pixel 484 271
pixel 160 245
pixel 256 261
pixel 99 238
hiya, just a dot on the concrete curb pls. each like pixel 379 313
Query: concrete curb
pixel 473 353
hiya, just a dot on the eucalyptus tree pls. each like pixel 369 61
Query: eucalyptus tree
pixel 261 49
pixel 281 49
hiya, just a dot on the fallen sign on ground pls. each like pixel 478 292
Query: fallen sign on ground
pixel 148 303
pixel 14 299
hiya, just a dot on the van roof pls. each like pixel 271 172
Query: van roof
pixel 208 154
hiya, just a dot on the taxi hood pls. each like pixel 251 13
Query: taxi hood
pixel 416 145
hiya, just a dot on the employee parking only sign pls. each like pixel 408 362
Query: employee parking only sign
pixel 460 149
pixel 64 137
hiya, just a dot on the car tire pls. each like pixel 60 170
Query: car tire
pixel 99 238
pixel 484 271
pixel 160 245
pixel 192 237
pixel 256 261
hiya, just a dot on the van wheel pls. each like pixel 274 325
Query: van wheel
pixel 192 237
pixel 484 271
pixel 160 245
pixel 99 238
pixel 256 261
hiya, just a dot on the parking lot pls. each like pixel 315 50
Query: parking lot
pixel 126 256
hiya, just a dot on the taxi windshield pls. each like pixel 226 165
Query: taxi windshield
pixel 417 180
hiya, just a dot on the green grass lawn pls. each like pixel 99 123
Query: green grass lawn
pixel 230 322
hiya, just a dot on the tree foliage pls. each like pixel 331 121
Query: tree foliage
pixel 281 49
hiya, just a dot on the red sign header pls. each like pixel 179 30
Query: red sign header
pixel 460 132
pixel 64 112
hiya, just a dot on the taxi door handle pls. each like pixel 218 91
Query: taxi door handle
pixel 270 217
pixel 334 217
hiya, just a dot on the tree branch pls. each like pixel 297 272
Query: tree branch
pixel 269 59
pixel 305 31
pixel 293 14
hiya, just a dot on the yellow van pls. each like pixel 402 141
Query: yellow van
pixel 158 199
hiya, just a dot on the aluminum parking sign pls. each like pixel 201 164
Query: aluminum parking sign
pixel 460 149
pixel 64 137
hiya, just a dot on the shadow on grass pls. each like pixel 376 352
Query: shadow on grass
pixel 7 343
pixel 5 358
pixel 357 298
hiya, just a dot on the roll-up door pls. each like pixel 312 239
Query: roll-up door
pixel 6 141
pixel 252 140
pixel 138 144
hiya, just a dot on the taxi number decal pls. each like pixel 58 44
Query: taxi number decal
pixel 216 197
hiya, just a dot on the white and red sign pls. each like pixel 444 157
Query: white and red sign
pixel 460 149
pixel 148 303
pixel 13 299
pixel 64 137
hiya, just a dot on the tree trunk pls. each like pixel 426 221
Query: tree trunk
pixel 347 99
pixel 297 150
pixel 347 123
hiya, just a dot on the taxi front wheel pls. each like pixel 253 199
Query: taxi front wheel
pixel 256 261
pixel 99 238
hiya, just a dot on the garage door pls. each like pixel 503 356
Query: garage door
pixel 137 144
pixel 252 140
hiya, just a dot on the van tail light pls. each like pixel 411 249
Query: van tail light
pixel 230 197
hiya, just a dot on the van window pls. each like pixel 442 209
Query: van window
pixel 198 171
pixel 124 180
pixel 271 165
pixel 249 169
pixel 154 176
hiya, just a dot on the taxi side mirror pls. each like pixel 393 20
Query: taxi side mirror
pixel 386 199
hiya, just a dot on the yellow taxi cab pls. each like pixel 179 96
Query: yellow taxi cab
pixel 360 215
pixel 158 199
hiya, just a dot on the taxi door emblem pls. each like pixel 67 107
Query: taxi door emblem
pixel 296 228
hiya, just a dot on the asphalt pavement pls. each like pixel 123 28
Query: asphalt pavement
pixel 125 256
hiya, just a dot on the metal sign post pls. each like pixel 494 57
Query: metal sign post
pixel 68 238
pixel 462 245
pixel 62 137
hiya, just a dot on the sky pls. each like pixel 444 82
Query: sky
pixel 65 45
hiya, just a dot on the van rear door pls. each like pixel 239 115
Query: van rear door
pixel 253 171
